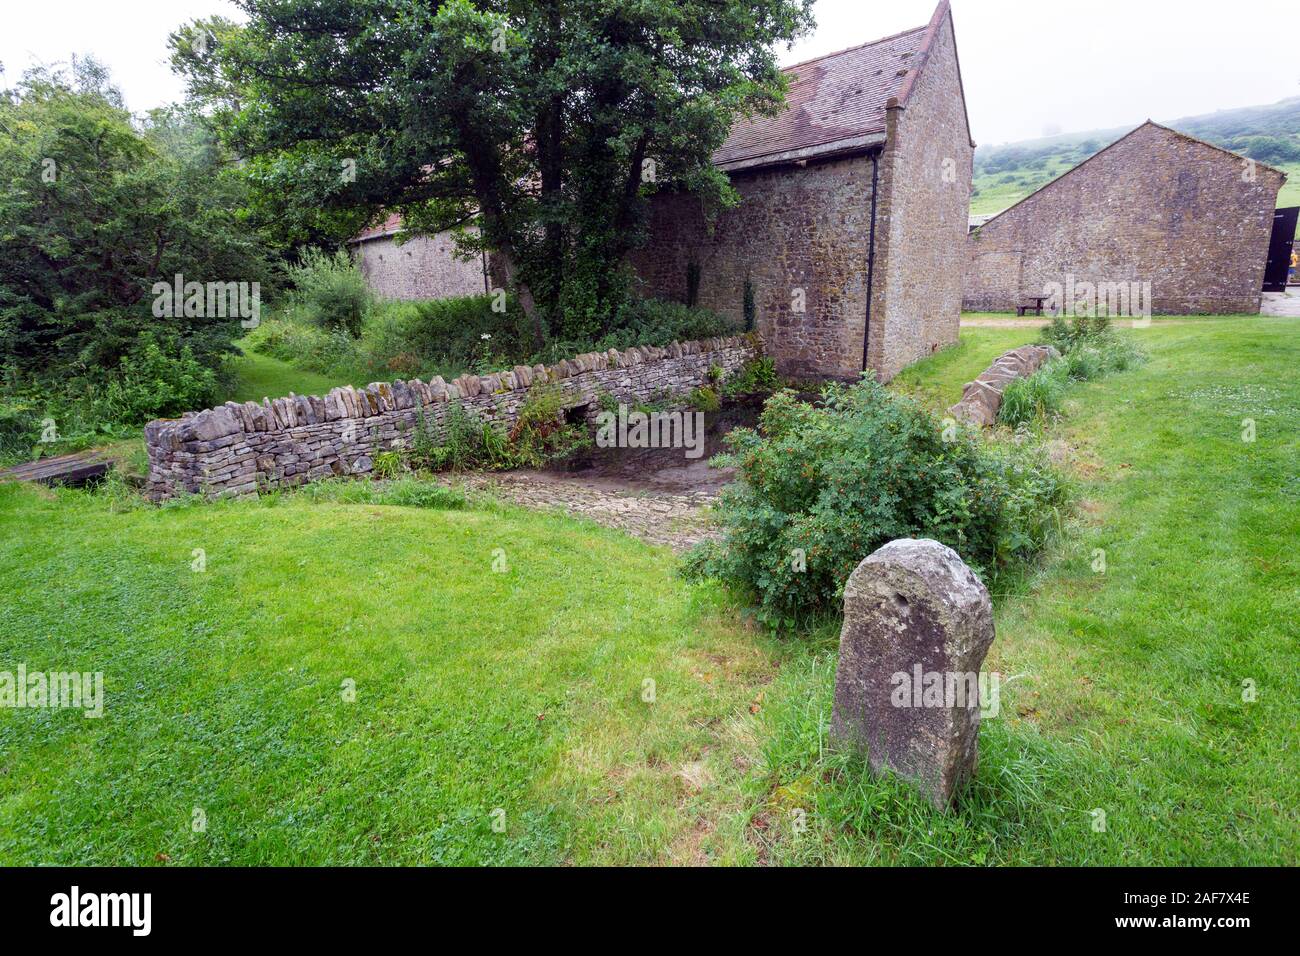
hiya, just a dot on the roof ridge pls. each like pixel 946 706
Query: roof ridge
pixel 923 55
pixel 859 46
pixel 1112 145
pixel 1206 142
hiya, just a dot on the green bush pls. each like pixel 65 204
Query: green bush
pixel 1091 348
pixel 448 337
pixel 157 378
pixel 540 436
pixel 704 399
pixel 1036 398
pixel 755 377
pixel 330 291
pixel 820 488
pixel 20 430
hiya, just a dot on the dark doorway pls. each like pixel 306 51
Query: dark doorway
pixel 1279 249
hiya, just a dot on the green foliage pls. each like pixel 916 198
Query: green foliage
pixel 94 212
pixel 157 378
pixel 755 377
pixel 1091 347
pixel 1067 334
pixel 1035 398
pixel 20 430
pixel 308 347
pixel 539 436
pixel 450 336
pixel 329 290
pixel 705 399
pixel 388 464
pixel 832 484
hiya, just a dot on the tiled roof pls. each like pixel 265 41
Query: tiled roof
pixel 833 99
pixel 386 228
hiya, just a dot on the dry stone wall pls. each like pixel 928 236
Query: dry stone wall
pixel 240 449
pixel 981 400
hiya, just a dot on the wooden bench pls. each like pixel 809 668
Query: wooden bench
pixel 75 469
pixel 1034 302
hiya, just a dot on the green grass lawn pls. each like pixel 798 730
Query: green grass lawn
pixel 523 690
pixel 261 376
pixel 1126 687
pixel 939 378
pixel 474 690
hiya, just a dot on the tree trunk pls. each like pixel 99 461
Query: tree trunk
pixel 525 295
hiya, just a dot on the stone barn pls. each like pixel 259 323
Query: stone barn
pixel 423 267
pixel 846 242
pixel 1159 214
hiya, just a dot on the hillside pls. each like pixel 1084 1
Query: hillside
pixel 1008 173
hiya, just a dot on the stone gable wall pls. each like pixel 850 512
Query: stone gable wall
pixel 239 449
pixel 795 228
pixel 925 177
pixel 420 268
pixel 1155 207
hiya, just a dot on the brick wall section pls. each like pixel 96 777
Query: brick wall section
pixel 239 449
pixel 421 268
pixel 795 228
pixel 925 180
pixel 1154 207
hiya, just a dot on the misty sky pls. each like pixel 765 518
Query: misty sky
pixel 1031 67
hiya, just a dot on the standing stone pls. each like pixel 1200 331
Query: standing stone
pixel 917 624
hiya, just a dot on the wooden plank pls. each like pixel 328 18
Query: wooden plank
pixel 75 469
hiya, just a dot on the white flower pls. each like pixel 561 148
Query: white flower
pixel 485 336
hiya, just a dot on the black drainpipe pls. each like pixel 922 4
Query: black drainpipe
pixel 871 254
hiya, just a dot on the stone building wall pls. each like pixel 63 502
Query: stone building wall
pixel 421 268
pixel 1157 207
pixel 795 228
pixel 925 175
pixel 239 449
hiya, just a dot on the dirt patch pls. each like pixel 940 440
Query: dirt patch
pixel 676 520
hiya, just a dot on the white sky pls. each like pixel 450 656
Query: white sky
pixel 1031 67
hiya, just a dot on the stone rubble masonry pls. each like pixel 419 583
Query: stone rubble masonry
pixel 239 449
pixel 423 267
pixel 982 399
pixel 807 226
pixel 1156 206
pixel 794 229
pixel 922 220
pixel 913 608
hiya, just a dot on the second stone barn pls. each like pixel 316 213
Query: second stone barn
pixel 1158 215
pixel 845 248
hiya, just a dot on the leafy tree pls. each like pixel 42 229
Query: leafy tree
pixel 543 125
pixel 94 212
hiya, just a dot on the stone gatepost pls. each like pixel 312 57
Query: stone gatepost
pixel 917 624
